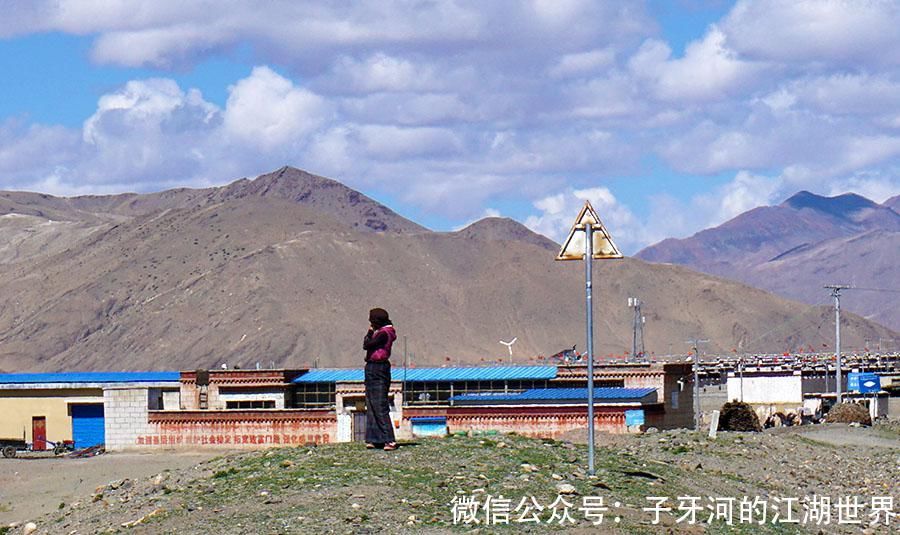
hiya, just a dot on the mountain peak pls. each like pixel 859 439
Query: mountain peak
pixel 839 205
pixel 504 228
pixel 324 194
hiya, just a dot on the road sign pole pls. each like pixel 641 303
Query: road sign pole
pixel 588 222
pixel 589 305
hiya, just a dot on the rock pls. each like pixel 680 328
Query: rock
pixel 287 463
pixel 566 488
pixel 355 505
pixel 29 528
pixel 651 430
pixel 556 476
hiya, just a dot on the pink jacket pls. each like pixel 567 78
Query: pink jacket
pixel 378 344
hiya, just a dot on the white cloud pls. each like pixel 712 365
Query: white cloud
pixel 842 32
pixel 455 106
pixel 580 63
pixel 708 70
pixel 557 212
pixel 745 192
pixel 268 111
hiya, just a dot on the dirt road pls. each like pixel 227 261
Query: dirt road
pixel 32 487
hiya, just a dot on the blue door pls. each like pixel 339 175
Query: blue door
pixel 87 425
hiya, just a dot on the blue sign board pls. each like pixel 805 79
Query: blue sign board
pixel 864 383
pixel 635 417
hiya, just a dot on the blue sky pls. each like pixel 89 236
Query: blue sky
pixel 669 116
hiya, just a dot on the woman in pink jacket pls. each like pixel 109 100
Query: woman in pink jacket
pixel 377 343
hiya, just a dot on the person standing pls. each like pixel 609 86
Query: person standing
pixel 377 344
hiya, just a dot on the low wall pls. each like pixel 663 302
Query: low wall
pixel 538 422
pixel 244 429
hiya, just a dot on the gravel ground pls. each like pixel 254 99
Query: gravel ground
pixel 343 488
pixel 32 487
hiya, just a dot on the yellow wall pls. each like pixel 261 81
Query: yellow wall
pixel 17 407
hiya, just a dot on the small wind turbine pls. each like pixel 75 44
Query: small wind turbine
pixel 509 346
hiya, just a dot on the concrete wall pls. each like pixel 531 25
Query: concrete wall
pixel 548 422
pixel 17 407
pixel 125 416
pixel 245 429
pixel 767 389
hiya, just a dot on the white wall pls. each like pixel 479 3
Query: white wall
pixel 125 416
pixel 761 389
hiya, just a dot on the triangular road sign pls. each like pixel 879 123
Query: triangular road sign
pixel 603 246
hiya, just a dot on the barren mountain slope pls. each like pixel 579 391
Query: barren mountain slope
pixel 263 279
pixel 793 249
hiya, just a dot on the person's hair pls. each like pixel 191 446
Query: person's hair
pixel 378 317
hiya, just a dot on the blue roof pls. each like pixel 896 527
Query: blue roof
pixel 89 377
pixel 493 373
pixel 559 394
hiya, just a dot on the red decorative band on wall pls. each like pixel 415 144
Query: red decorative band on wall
pixel 238 415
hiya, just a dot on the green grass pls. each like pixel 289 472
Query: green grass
pixel 297 489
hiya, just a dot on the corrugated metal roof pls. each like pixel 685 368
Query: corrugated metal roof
pixel 89 377
pixel 493 373
pixel 559 394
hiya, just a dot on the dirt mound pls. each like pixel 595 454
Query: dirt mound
pixel 738 416
pixel 849 413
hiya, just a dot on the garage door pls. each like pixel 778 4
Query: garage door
pixel 87 425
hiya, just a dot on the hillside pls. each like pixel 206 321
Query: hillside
pixel 795 248
pixel 282 271
pixel 340 488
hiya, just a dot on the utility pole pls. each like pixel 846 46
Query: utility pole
pixel 695 345
pixel 836 293
pixel 637 329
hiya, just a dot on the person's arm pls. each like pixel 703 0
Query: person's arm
pixel 376 341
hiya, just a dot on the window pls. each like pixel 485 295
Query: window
pixel 251 404
pixel 440 392
pixel 314 395
pixel 598 383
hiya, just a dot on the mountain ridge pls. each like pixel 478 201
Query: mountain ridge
pixel 797 246
pixel 245 273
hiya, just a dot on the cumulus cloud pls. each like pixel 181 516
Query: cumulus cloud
pixel 268 111
pixel 456 106
pixel 557 213
pixel 828 32
pixel 708 70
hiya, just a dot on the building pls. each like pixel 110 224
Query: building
pixel 786 391
pixel 74 406
pixel 263 408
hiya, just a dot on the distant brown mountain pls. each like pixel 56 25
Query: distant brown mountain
pixel 283 269
pixel 795 248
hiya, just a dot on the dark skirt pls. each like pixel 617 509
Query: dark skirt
pixel 379 428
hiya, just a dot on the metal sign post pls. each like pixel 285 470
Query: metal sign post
pixel 589 306
pixel 597 244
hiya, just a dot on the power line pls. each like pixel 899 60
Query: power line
pixel 889 290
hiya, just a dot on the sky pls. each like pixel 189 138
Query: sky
pixel 669 116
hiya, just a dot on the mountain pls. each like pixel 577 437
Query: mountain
pixel 795 248
pixel 282 270
pixel 893 203
pixel 505 229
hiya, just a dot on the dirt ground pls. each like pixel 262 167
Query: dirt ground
pixel 33 487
